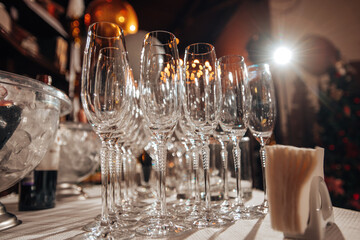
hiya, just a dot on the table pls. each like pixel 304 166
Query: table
pixel 67 218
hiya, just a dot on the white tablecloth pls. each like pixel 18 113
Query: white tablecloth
pixel 67 218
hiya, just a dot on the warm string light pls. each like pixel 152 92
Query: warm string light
pixel 75 31
pixel 195 70
pixel 119 12
pixel 168 72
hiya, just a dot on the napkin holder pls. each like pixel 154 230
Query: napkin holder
pixel 320 212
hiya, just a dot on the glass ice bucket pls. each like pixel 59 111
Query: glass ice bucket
pixel 29 119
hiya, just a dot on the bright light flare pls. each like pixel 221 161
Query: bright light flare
pixel 132 28
pixel 282 55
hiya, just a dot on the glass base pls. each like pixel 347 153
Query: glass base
pixel 184 210
pixel 145 192
pixel 262 209
pixel 181 203
pixel 125 223
pixel 131 209
pixel 92 226
pixel 242 212
pixel 209 219
pixel 128 216
pixel 162 228
pixel 224 207
pixel 95 226
pixel 157 218
pixel 140 204
pixel 153 211
pixel 100 230
pixel 196 212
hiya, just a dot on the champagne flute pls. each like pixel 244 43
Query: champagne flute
pixel 120 132
pixel 113 96
pixel 159 102
pixel 104 98
pixel 186 133
pixel 201 101
pixel 233 74
pixel 262 113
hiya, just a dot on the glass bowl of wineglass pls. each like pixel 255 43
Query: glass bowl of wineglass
pixel 29 119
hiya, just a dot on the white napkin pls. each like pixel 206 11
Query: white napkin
pixel 289 172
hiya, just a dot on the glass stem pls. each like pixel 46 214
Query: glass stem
pixel 125 175
pixel 263 165
pixel 132 165
pixel 224 159
pixel 237 165
pixel 195 158
pixel 205 154
pixel 118 166
pixel 112 176
pixel 188 174
pixel 162 177
pixel 155 168
pixel 104 165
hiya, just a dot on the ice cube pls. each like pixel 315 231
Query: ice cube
pixel 20 140
pixel 18 148
pixel 44 120
pixel 5 154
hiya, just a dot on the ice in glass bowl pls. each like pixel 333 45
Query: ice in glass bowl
pixel 29 119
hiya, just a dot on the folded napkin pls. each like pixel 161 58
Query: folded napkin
pixel 289 172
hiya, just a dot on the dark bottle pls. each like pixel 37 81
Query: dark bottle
pixel 146 163
pixel 38 189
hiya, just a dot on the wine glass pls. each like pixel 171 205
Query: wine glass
pixel 233 74
pixel 185 131
pixel 159 103
pixel 104 96
pixel 201 101
pixel 262 113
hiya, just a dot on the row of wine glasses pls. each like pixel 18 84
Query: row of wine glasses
pixel 108 94
pixel 102 91
pixel 223 100
pixel 204 97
